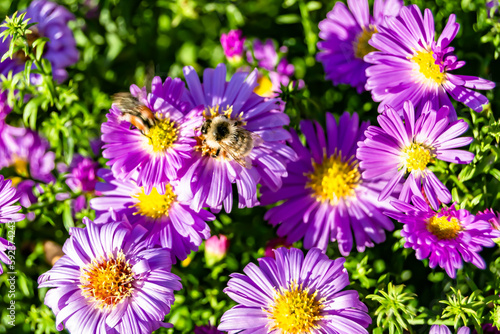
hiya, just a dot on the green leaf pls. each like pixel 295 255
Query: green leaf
pixel 67 216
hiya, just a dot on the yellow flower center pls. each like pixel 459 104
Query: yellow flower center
pixel 361 46
pixel 163 134
pixel 417 157
pixel 107 282
pixel 334 179
pixel 444 227
pixel 265 87
pixel 428 67
pixel 295 311
pixel 154 205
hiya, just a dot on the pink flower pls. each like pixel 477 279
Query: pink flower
pixel 233 44
pixel 216 248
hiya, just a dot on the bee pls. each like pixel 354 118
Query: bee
pixel 135 112
pixel 224 135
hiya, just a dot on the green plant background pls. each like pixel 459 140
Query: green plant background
pixel 127 42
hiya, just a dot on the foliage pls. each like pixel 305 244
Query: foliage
pixel 127 42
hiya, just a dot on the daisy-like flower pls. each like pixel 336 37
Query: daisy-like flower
pixel 111 280
pixel 293 294
pixel 170 221
pixel 159 153
pixel 411 65
pixel 445 237
pixel 345 33
pixel 209 175
pixel 265 54
pixel 442 329
pixel 326 196
pixel 52 22
pixel 29 156
pixel 396 150
pixel 8 214
pixel 233 44
pixel 82 178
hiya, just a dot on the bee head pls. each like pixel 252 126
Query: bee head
pixel 205 126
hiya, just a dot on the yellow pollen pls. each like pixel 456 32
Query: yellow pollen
pixel 428 67
pixel 417 157
pixel 265 87
pixel 163 134
pixel 333 179
pixel 107 282
pixel 20 166
pixel 295 311
pixel 444 227
pixel 361 46
pixel 153 204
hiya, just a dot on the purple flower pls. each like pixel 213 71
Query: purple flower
pixel 442 329
pixel 171 222
pixel 8 196
pixel 29 155
pixel 208 180
pixel 265 54
pixel 52 22
pixel 207 329
pixel 445 237
pixel 111 280
pixel 82 175
pixel 495 218
pixel 5 108
pixel 233 44
pixel 159 154
pixel 411 65
pixel 345 33
pixel 326 196
pixel 397 149
pixel 8 214
pixel 488 329
pixel 293 294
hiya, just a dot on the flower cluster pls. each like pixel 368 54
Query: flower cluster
pixel 178 152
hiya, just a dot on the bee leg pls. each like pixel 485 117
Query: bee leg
pixel 216 154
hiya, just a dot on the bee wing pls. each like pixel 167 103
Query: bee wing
pixel 257 140
pixel 242 161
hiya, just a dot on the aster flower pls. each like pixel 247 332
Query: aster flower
pixel 82 177
pixel 488 329
pixel 110 281
pixel 265 54
pixel 8 214
pixel 442 329
pixel 233 44
pixel 445 237
pixel 52 22
pixel 345 33
pixel 171 222
pixel 209 180
pixel 397 149
pixel 216 249
pixel 160 153
pixel 293 294
pixel 326 196
pixel 29 155
pixel 495 218
pixel 411 65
